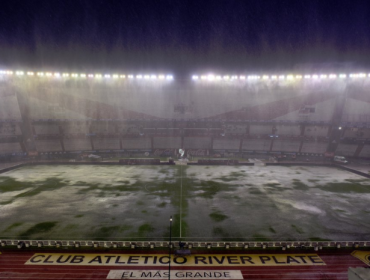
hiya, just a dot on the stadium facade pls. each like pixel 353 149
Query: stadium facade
pixel 44 113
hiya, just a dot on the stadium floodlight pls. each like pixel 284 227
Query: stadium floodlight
pixel 220 78
pixel 48 74
pixel 65 75
pixel 242 77
pixel 161 77
pixel 290 77
pixel 323 76
pixel 169 77
pixel 332 76
pixel 98 76
pixel 203 77
pixel 139 76
pixel 234 77
pixel 226 77
pixel 342 76
pixel 265 77
pixel 9 72
pixel 298 77
pixel 30 73
pixel 107 76
pixel 210 77
pixel 315 76
pixel 146 77
pixel 250 77
pixel 273 77
pixel 194 77
pixel 115 76
pixel 307 76
pixel 362 75
pixel 90 75
pixel 40 74
pixel 74 75
pixel 122 76
pixel 57 75
pixel 130 76
pixel 83 75
pixel 153 77
pixel 19 73
pixel 340 128
pixel 281 77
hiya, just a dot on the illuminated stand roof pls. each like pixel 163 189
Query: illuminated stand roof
pixel 289 77
pixel 206 77
pixel 58 75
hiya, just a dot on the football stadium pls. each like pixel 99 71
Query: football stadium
pixel 185 140
pixel 210 162
pixel 113 156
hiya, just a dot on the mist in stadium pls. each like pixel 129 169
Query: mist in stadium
pixel 208 124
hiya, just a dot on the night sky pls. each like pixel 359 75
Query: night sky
pixel 183 37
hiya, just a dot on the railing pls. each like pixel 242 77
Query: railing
pixel 315 245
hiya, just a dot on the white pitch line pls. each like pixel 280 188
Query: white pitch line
pixel 180 197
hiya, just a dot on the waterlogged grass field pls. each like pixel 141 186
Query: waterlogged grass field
pixel 257 203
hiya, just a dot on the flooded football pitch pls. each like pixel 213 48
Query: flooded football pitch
pixel 254 203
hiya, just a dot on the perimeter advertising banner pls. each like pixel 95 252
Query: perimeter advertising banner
pixel 162 259
pixel 363 256
pixel 175 274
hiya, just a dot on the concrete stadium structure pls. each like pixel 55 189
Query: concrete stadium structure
pixel 59 113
